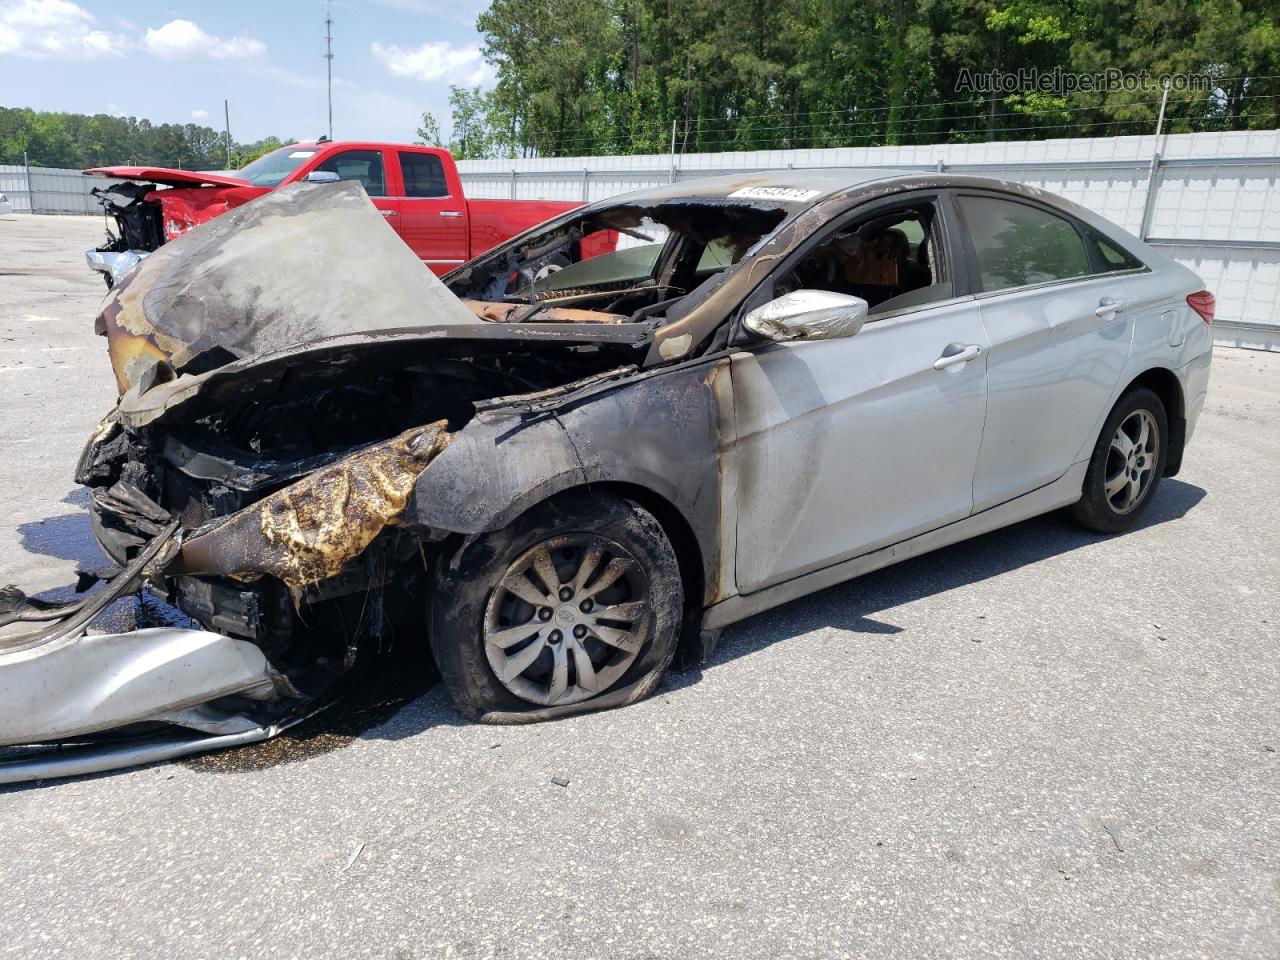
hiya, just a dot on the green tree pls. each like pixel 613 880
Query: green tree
pixel 429 132
pixel 471 137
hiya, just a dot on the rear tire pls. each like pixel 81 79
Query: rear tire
pixel 575 607
pixel 1127 464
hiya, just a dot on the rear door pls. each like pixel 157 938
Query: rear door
pixel 433 221
pixel 1059 334
pixel 368 167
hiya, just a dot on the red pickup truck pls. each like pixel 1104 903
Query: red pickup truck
pixel 417 189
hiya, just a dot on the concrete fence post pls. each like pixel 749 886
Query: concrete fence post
pixel 31 194
pixel 1149 203
pixel 1153 183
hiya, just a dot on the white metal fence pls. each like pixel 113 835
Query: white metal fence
pixel 33 189
pixel 1208 200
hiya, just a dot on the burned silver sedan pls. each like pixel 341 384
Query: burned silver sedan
pixel 563 472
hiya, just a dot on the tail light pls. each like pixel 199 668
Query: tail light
pixel 1203 303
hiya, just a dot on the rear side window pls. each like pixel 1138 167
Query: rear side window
pixel 423 175
pixel 1112 257
pixel 362 165
pixel 1017 244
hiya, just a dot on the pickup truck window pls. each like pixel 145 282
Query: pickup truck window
pixel 423 175
pixel 270 168
pixel 362 165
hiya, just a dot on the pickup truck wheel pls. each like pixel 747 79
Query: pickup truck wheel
pixel 574 607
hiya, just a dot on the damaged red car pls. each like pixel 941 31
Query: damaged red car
pixel 560 482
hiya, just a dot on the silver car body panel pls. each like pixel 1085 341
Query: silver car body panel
pixel 76 686
pixel 1052 365
pixel 1060 493
pixel 864 429
pixel 114 265
pixel 79 761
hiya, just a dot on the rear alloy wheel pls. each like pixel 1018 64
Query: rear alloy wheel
pixel 1127 464
pixel 574 607
pixel 1131 461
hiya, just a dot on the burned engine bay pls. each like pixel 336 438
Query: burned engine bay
pixel 287 374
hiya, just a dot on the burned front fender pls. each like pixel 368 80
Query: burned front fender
pixel 494 469
pixel 664 434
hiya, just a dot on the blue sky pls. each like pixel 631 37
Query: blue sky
pixel 174 62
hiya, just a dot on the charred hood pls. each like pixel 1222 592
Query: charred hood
pixel 293 267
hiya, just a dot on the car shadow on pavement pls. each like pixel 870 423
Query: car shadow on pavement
pixel 66 536
pixel 400 697
pixel 852 605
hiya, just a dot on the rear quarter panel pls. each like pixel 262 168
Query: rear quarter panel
pixel 1166 334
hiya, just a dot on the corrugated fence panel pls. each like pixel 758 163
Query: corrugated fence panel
pixel 49 189
pixel 1215 205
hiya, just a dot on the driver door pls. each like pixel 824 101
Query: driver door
pixel 845 446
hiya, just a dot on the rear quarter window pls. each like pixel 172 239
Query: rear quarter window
pixel 1112 257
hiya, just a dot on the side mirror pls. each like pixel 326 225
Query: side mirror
pixel 322 176
pixel 808 315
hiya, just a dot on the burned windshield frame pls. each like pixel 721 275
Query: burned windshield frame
pixel 512 272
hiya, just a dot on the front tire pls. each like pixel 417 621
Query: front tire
pixel 1127 464
pixel 574 607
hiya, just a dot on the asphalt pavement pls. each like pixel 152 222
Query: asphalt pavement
pixel 1040 743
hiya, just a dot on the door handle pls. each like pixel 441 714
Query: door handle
pixel 387 213
pixel 1109 306
pixel 955 354
pixel 450 213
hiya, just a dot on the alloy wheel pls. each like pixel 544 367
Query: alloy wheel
pixel 1131 461
pixel 567 619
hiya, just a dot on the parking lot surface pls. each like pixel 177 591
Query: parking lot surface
pixel 1039 743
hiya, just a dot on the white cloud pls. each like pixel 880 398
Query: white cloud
pixel 184 40
pixel 301 80
pixel 54 30
pixel 199 114
pixel 436 61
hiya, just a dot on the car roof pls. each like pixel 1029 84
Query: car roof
pixel 381 144
pixel 784 188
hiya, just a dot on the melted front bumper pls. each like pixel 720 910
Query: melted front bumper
pixel 66 697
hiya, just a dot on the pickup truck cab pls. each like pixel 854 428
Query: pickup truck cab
pixel 416 188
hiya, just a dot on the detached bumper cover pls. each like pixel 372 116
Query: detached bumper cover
pixel 83 685
pixel 60 687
